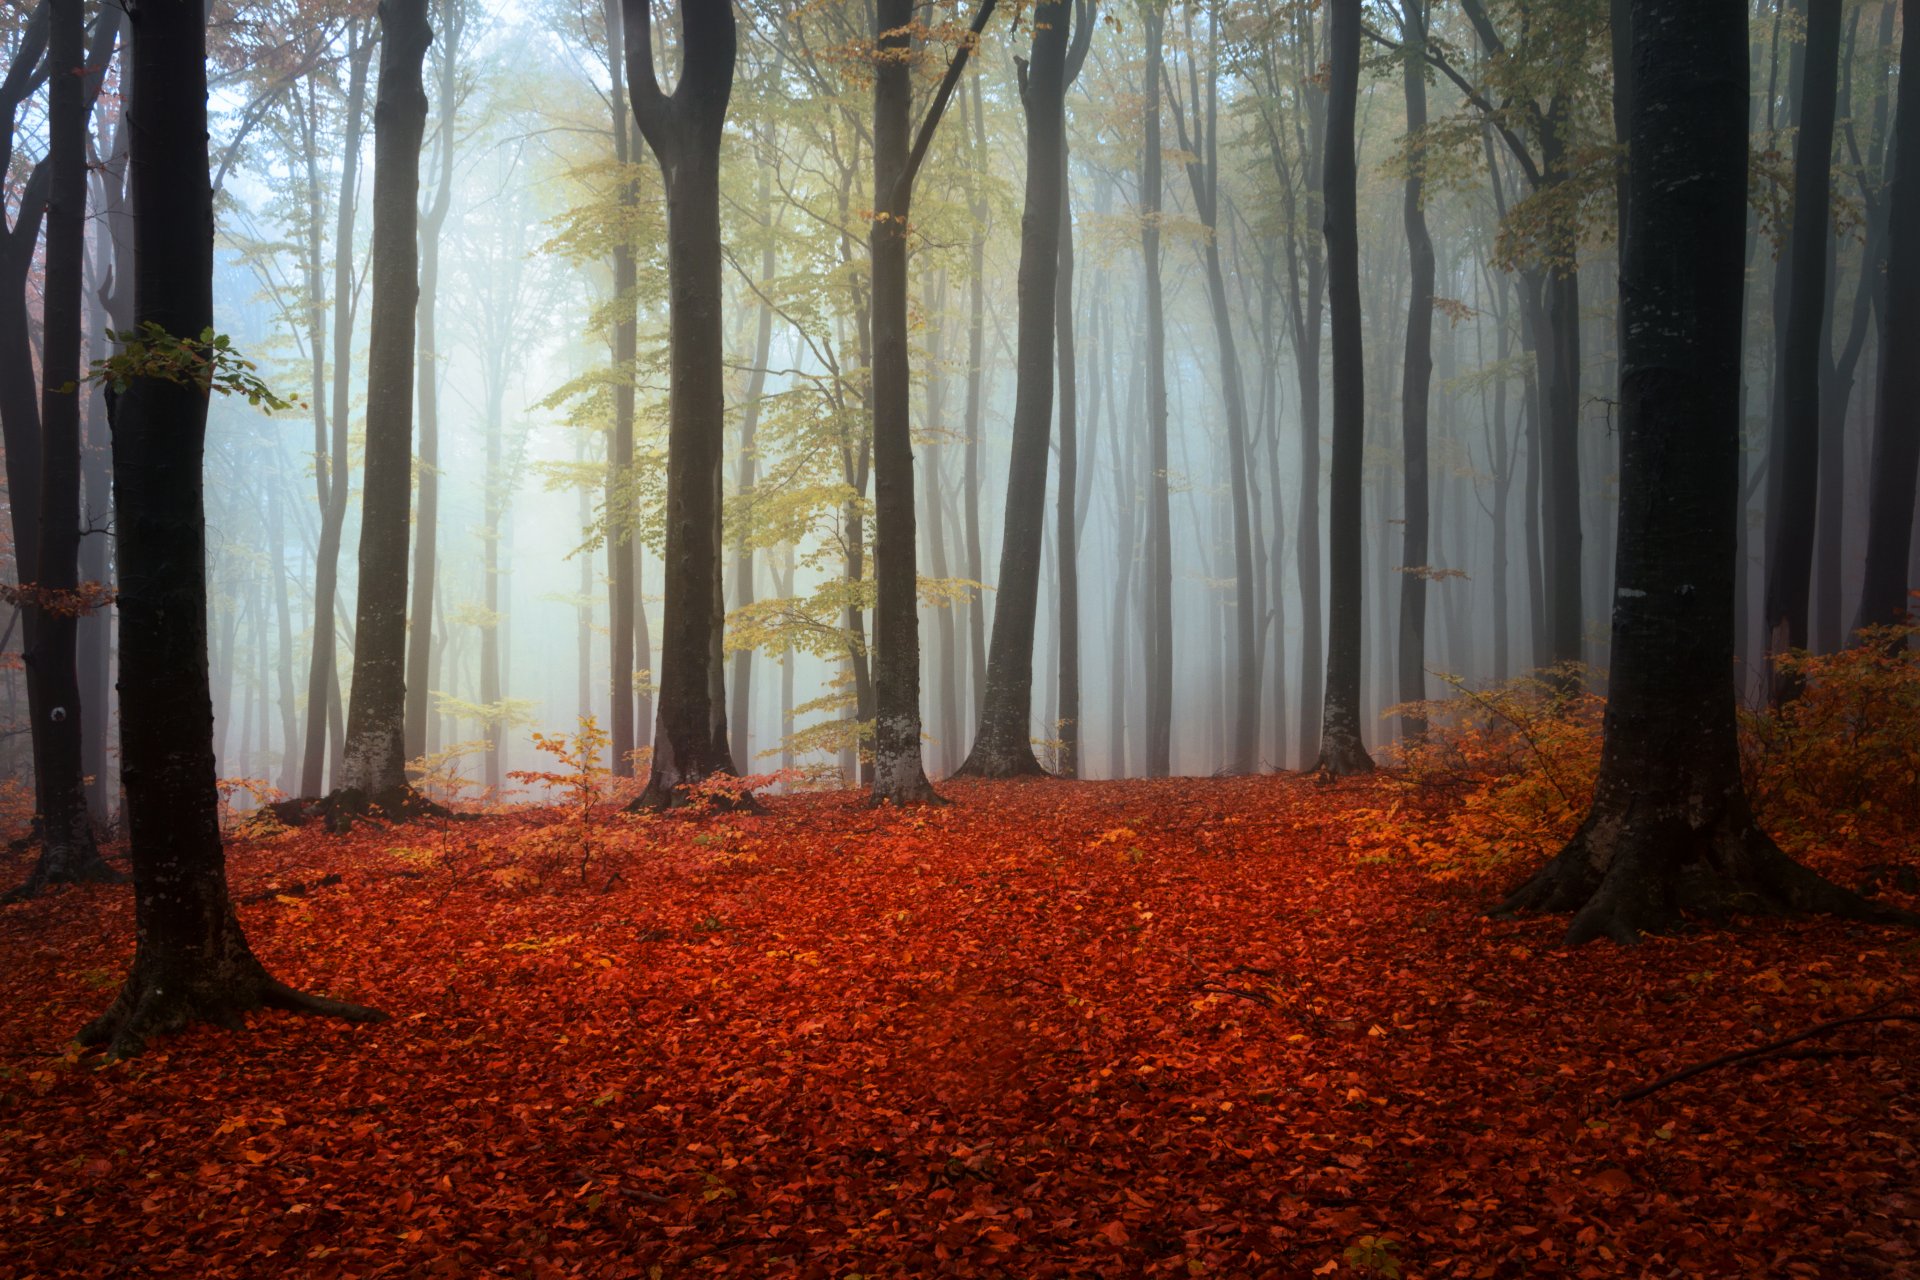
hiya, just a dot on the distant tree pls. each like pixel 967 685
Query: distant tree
pixel 191 960
pixel 684 130
pixel 898 774
pixel 1670 831
pixel 1158 650
pixel 1896 435
pixel 1342 750
pixel 1417 370
pixel 1790 553
pixel 376 758
pixel 68 853
pixel 1003 745
pixel 1069 505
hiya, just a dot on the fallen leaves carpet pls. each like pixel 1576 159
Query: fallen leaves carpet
pixel 1180 1028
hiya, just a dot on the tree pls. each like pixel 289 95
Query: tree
pixel 1790 557
pixel 1159 559
pixel 898 775
pixel 1003 745
pixel 191 960
pixel 68 853
pixel 1203 178
pixel 1896 435
pixel 376 756
pixel 427 378
pixel 330 445
pixel 684 131
pixel 1417 370
pixel 1670 831
pixel 1342 751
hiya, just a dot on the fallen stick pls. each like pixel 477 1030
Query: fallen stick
pixel 1772 1048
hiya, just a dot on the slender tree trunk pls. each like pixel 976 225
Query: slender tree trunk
pixel 191 960
pixel 376 759
pixel 747 474
pixel 1416 376
pixel 946 700
pixel 1003 746
pixel 1342 750
pixel 427 377
pixel 67 850
pixel 1790 568
pixel 330 462
pixel 977 209
pixel 623 569
pixel 1157 732
pixel 1670 831
pixel 1896 428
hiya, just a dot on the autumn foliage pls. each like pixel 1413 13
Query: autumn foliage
pixel 1179 1028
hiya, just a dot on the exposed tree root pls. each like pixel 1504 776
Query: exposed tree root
pixel 76 863
pixel 1342 756
pixel 155 1002
pixel 343 807
pixel 906 792
pixel 1626 877
pixel 1775 1050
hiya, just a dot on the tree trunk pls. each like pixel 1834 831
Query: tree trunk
pixel 1157 732
pixel 1670 831
pixel 191 959
pixel 1416 376
pixel 1790 568
pixel 1896 430
pixel 623 731
pixel 419 693
pixel 1003 747
pixel 1342 750
pixel 330 461
pixel 977 209
pixel 748 475
pixel 684 131
pixel 375 764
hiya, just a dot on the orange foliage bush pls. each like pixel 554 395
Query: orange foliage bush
pixel 1505 775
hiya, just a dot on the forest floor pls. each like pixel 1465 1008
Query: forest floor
pixel 1183 1028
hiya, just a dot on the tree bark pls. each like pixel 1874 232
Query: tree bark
pixel 427 376
pixel 1896 428
pixel 684 131
pixel 191 960
pixel 1342 750
pixel 1003 746
pixel 623 731
pixel 1790 564
pixel 1157 732
pixel 1670 832
pixel 375 764
pixel 1416 377
pixel 330 455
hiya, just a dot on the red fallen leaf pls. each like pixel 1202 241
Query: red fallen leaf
pixel 1611 1182
pixel 1114 1233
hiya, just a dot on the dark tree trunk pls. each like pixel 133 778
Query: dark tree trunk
pixel 330 461
pixel 427 376
pixel 191 960
pixel 624 733
pixel 1416 376
pixel 946 700
pixel 747 474
pixel 1342 750
pixel 1896 430
pixel 1670 831
pixel 684 130
pixel 1790 562
pixel 898 775
pixel 1003 747
pixel 1157 732
pixel 68 853
pixel 375 764
pixel 1066 719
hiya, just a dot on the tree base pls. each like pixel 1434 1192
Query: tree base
pixel 399 804
pixel 660 797
pixel 1623 880
pixel 155 1003
pixel 1342 757
pixel 78 863
pixel 1000 761
pixel 901 792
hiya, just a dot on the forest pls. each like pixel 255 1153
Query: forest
pixel 1005 638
